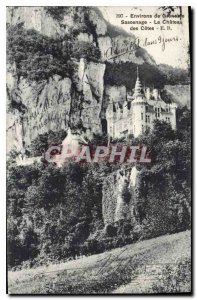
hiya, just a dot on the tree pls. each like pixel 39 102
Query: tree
pixel 86 50
pixel 36 56
pixel 43 141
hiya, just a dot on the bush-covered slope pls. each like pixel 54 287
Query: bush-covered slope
pixel 161 265
pixel 56 213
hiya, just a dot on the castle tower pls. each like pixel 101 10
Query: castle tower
pixel 148 94
pixel 138 109
pixel 138 92
pixel 156 94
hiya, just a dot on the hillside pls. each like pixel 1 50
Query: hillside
pixel 58 78
pixel 156 265
pixel 179 94
pixel 61 63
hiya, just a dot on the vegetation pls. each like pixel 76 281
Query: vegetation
pixel 176 278
pixel 125 74
pixel 43 141
pixel 38 57
pixel 175 75
pixel 86 50
pixel 119 271
pixel 56 213
pixel 57 12
pixel 49 209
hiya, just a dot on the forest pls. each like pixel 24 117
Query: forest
pixel 55 213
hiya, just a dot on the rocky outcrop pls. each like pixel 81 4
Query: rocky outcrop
pixel 98 21
pixel 34 18
pixel 120 190
pixel 14 135
pixel 59 103
pixel 74 19
pixel 76 100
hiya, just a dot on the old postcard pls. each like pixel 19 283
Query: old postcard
pixel 98 150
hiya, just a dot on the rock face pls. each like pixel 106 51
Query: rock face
pixel 56 105
pixel 39 19
pixel 120 196
pixel 74 19
pixel 61 102
pixel 34 18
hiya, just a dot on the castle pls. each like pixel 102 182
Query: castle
pixel 137 114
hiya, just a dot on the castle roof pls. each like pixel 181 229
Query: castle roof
pixel 150 108
pixel 138 91
pixel 138 95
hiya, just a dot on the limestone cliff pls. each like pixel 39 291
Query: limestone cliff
pixel 56 105
pixel 75 100
pixel 87 23
pixel 120 196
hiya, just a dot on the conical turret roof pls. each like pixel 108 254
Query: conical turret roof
pixel 138 95
pixel 138 87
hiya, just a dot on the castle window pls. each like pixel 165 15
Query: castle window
pixel 157 112
pixel 142 128
pixel 141 116
pixel 146 118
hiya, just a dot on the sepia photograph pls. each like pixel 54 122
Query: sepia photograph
pixel 98 150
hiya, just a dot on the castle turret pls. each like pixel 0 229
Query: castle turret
pixel 138 92
pixel 156 94
pixel 137 115
pixel 139 109
pixel 148 94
